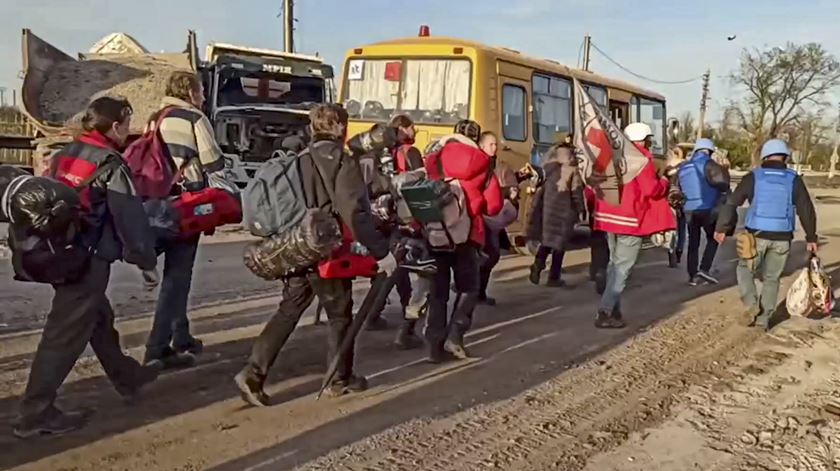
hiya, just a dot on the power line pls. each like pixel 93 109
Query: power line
pixel 664 82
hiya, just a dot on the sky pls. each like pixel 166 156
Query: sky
pixel 668 40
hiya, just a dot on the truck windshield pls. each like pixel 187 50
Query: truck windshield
pixel 431 91
pixel 242 88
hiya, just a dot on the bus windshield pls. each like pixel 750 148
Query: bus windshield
pixel 651 113
pixel 429 91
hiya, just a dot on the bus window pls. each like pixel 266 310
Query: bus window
pixel 552 107
pixel 599 94
pixel 513 113
pixel 651 113
pixel 430 91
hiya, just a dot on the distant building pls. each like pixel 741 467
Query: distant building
pixel 118 43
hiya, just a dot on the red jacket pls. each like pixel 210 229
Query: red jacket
pixel 471 167
pixel 644 208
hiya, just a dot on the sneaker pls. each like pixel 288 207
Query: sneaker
pixel 694 280
pixel 534 277
pixel 377 323
pixel 602 320
pixel 455 346
pixel 147 374
pixel 171 359
pixel 194 346
pixel 340 387
pixel 617 320
pixel 707 277
pixel 487 301
pixel 251 389
pixel 423 266
pixel 54 422
pixel 558 283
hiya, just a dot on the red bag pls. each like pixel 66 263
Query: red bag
pixel 151 166
pixel 344 263
pixel 203 211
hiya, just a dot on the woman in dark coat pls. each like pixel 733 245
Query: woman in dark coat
pixel 557 206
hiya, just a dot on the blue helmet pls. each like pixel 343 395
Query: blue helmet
pixel 704 144
pixel 774 147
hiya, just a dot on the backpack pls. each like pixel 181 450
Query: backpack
pixel 150 163
pixel 57 257
pixel 274 202
pixel 441 207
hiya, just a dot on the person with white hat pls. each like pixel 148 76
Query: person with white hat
pixel 777 195
pixel 642 212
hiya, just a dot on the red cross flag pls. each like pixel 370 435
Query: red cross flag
pixel 608 160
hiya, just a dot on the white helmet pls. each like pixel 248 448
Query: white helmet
pixel 638 132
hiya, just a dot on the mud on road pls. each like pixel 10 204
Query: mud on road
pixel 545 391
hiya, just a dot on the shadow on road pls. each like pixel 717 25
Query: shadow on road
pixel 535 334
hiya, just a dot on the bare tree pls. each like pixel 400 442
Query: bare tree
pixel 781 84
pixel 687 128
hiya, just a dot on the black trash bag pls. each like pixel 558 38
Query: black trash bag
pixel 164 220
pixel 43 207
pixel 7 175
pixel 304 246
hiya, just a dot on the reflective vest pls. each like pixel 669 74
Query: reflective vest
pixel 771 208
pixel 699 194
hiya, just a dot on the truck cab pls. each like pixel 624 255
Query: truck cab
pixel 257 98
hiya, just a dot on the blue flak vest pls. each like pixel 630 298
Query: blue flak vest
pixel 699 194
pixel 771 208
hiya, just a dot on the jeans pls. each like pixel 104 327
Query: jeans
pixel 768 265
pixel 541 259
pixel 624 252
pixel 599 253
pixel 81 313
pixel 335 295
pixel 492 248
pixel 171 324
pixel 463 264
pixel 700 222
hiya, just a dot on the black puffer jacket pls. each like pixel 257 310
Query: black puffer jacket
pixel 347 195
pixel 558 203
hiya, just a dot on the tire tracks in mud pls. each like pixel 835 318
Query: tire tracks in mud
pixel 561 423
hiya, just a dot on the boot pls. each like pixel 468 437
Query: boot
pixel 407 339
pixel 534 277
pixel 455 345
pixel 251 388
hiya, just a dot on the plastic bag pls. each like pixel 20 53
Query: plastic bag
pixel 810 295
pixel 7 175
pixel 300 248
pixel 42 206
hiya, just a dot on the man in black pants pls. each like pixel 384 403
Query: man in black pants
pixel 115 228
pixel 332 182
pixel 703 182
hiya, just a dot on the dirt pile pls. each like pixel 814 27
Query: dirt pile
pixel 71 85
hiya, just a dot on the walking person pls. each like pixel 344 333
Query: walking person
pixel 191 144
pixel 557 206
pixel 496 225
pixel 777 195
pixel 461 160
pixel 676 199
pixel 643 211
pixel 599 249
pixel 115 227
pixel 332 180
pixel 704 184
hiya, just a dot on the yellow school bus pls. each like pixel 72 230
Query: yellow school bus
pixel 526 101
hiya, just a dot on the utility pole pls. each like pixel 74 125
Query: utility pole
pixel 2 96
pixel 834 157
pixel 704 98
pixel 587 44
pixel 288 26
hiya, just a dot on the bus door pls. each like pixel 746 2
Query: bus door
pixel 620 113
pixel 516 144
